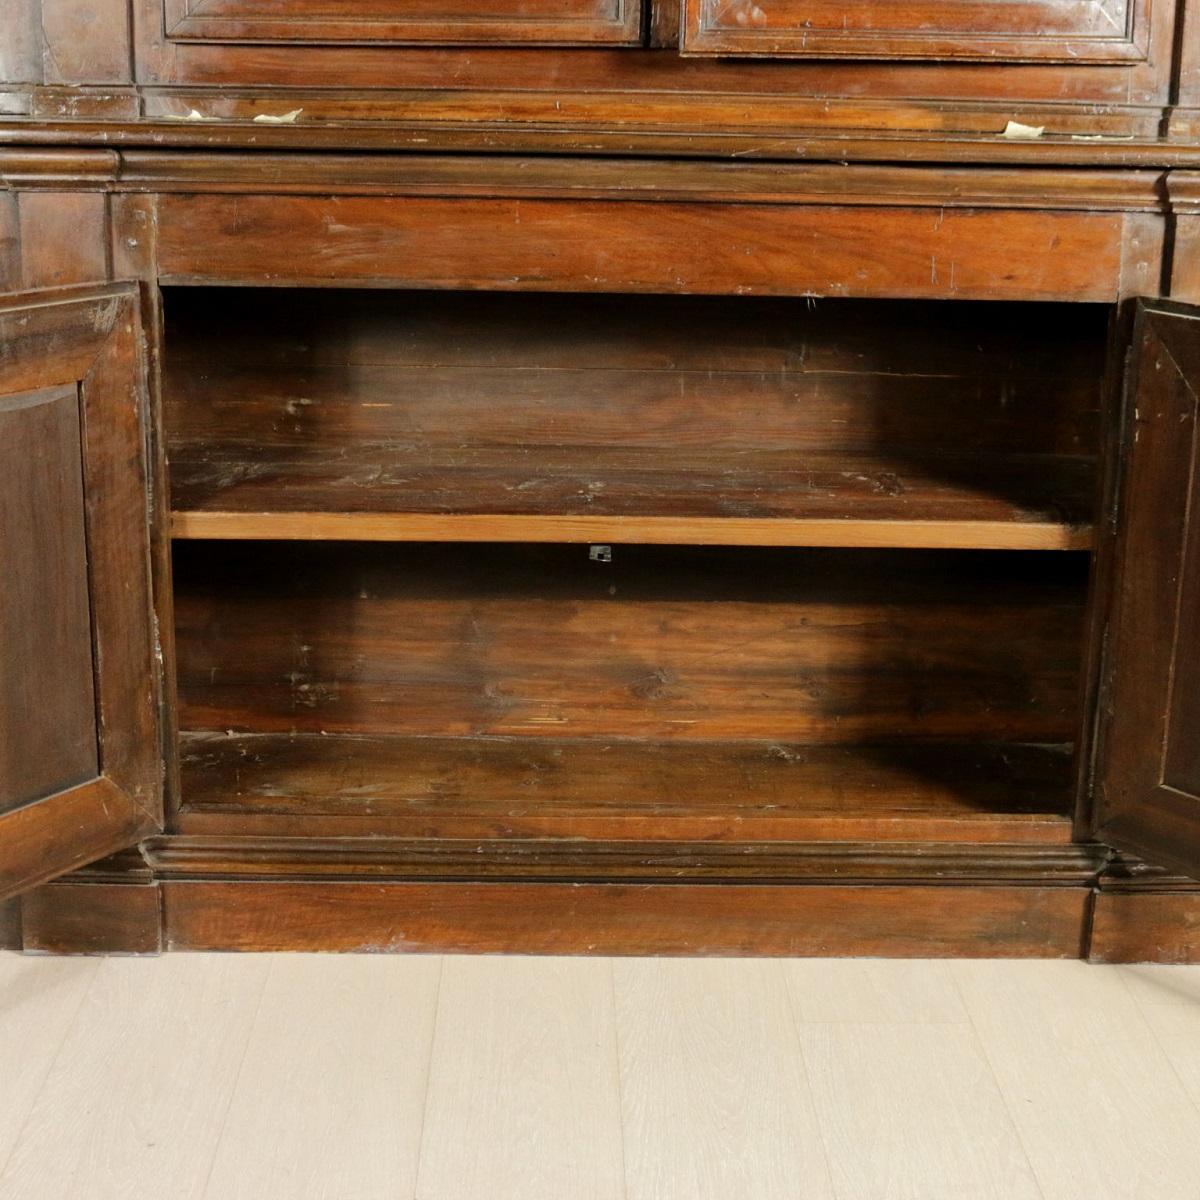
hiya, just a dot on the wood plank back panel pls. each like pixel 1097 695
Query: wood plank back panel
pixel 684 643
pixel 590 246
pixel 626 407
pixel 48 738
pixel 281 785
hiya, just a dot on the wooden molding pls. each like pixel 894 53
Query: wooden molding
pixel 647 919
pixel 1141 150
pixel 192 856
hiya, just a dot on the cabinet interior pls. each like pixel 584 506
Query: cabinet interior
pixel 825 578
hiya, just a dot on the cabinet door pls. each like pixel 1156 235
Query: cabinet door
pixel 1147 783
pixel 80 755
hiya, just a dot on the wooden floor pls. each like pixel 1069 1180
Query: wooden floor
pixel 303 1077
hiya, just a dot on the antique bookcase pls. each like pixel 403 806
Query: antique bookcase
pixel 600 477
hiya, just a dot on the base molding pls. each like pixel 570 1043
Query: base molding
pixel 92 918
pixel 1153 926
pixel 627 919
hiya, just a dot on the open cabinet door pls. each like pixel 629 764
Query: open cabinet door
pixel 1147 782
pixel 80 773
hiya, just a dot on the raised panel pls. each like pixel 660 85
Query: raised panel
pixel 444 22
pixel 1148 770
pixel 993 30
pixel 45 618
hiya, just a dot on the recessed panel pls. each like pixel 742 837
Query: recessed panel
pixel 401 22
pixel 995 30
pixel 47 694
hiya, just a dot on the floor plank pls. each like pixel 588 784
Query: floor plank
pixel 135 1101
pixel 859 990
pixel 715 1100
pixel 523 1093
pixel 912 1112
pixel 341 1043
pixel 39 999
pixel 1169 998
pixel 1100 1111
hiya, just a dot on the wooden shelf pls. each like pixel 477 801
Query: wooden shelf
pixel 421 417
pixel 361 492
pixel 481 787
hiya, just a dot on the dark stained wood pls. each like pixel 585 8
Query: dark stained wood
pixel 440 22
pixel 678 919
pixel 661 643
pixel 1185 259
pixel 49 737
pixel 70 361
pixel 926 29
pixel 86 41
pixel 20 46
pixel 634 246
pixel 64 238
pixel 10 243
pixel 461 77
pixel 1154 927
pixel 679 408
pixel 92 918
pixel 307 854
pixel 281 784
pixel 10 924
pixel 975 140
pixel 1147 785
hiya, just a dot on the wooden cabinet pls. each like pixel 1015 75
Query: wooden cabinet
pixel 762 525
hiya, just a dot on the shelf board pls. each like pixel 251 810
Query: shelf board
pixel 486 787
pixel 699 531
pixel 372 493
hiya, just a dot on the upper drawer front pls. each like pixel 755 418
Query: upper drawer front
pixel 405 22
pixel 995 30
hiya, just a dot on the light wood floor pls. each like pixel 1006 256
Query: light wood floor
pixel 303 1077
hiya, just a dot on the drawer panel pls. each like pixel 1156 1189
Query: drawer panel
pixel 994 30
pixel 403 22
pixel 597 246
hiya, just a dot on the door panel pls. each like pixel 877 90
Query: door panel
pixel 1148 765
pixel 46 648
pixel 411 22
pixel 80 754
pixel 1112 31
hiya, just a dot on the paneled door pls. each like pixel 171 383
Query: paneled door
pixel 1147 783
pixel 80 751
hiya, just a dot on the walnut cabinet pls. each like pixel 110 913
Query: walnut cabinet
pixel 600 477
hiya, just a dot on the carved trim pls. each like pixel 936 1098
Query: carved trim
pixel 174 856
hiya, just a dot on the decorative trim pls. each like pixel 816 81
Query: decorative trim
pixel 194 856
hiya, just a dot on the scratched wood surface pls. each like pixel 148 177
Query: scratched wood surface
pixel 628 408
